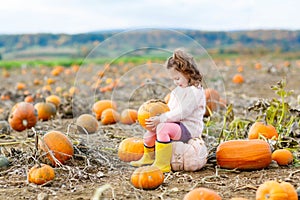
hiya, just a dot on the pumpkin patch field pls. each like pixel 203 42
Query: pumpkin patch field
pixel 70 132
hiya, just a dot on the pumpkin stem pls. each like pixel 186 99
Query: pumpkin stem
pixel 156 101
pixel 25 122
pixel 262 117
pixel 265 119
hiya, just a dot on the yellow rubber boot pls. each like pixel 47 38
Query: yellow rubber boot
pixel 147 158
pixel 163 154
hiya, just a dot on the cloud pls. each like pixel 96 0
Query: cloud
pixel 276 14
pixel 75 16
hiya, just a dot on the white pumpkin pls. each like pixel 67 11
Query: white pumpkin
pixel 190 156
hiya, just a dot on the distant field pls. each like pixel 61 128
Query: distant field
pixel 52 59
pixel 50 62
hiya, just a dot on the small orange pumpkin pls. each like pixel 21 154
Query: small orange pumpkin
pixel 128 116
pixel 147 177
pixel 282 156
pixel 240 68
pixel 287 64
pixel 54 99
pixel 22 116
pixel 259 128
pixel 37 82
pixel 45 110
pixel 58 89
pixel 29 99
pixel 40 174
pixel 101 105
pixel 109 116
pixel 88 122
pixel 238 79
pixel 258 66
pixel 20 86
pixel 73 90
pixel 244 154
pixel 290 190
pixel 57 145
pixel 212 100
pixel 47 88
pixel 149 109
pixel 131 149
pixel 50 81
pixel 5 73
pixel 5 96
pixel 202 193
pixel 57 70
pixel 75 68
pixel 271 190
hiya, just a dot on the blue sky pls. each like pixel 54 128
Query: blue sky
pixel 79 16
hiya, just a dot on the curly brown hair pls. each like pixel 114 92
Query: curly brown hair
pixel 185 64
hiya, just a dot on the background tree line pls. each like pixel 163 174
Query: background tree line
pixel 241 42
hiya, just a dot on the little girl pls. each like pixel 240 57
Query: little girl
pixel 185 118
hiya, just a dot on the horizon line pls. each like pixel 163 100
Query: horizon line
pixel 118 30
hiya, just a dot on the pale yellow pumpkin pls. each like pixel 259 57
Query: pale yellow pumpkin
pixel 190 156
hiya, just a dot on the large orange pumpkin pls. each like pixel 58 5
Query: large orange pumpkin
pixel 147 177
pixel 131 149
pixel 22 116
pixel 259 128
pixel 202 193
pixel 45 110
pixel 149 109
pixel 244 154
pixel 102 105
pixel 40 174
pixel 271 190
pixel 57 145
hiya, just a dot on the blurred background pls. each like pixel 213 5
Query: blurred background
pixel 66 31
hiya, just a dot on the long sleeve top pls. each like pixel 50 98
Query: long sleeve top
pixel 187 105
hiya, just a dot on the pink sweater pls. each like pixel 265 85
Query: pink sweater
pixel 187 105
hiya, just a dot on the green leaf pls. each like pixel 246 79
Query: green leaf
pixel 273 87
pixel 281 93
pixel 289 93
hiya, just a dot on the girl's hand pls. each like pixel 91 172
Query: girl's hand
pixel 152 122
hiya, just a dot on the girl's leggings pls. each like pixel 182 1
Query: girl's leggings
pixel 165 132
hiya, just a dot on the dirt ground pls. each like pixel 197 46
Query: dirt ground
pixel 96 167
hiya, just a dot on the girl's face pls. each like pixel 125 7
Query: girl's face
pixel 178 78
